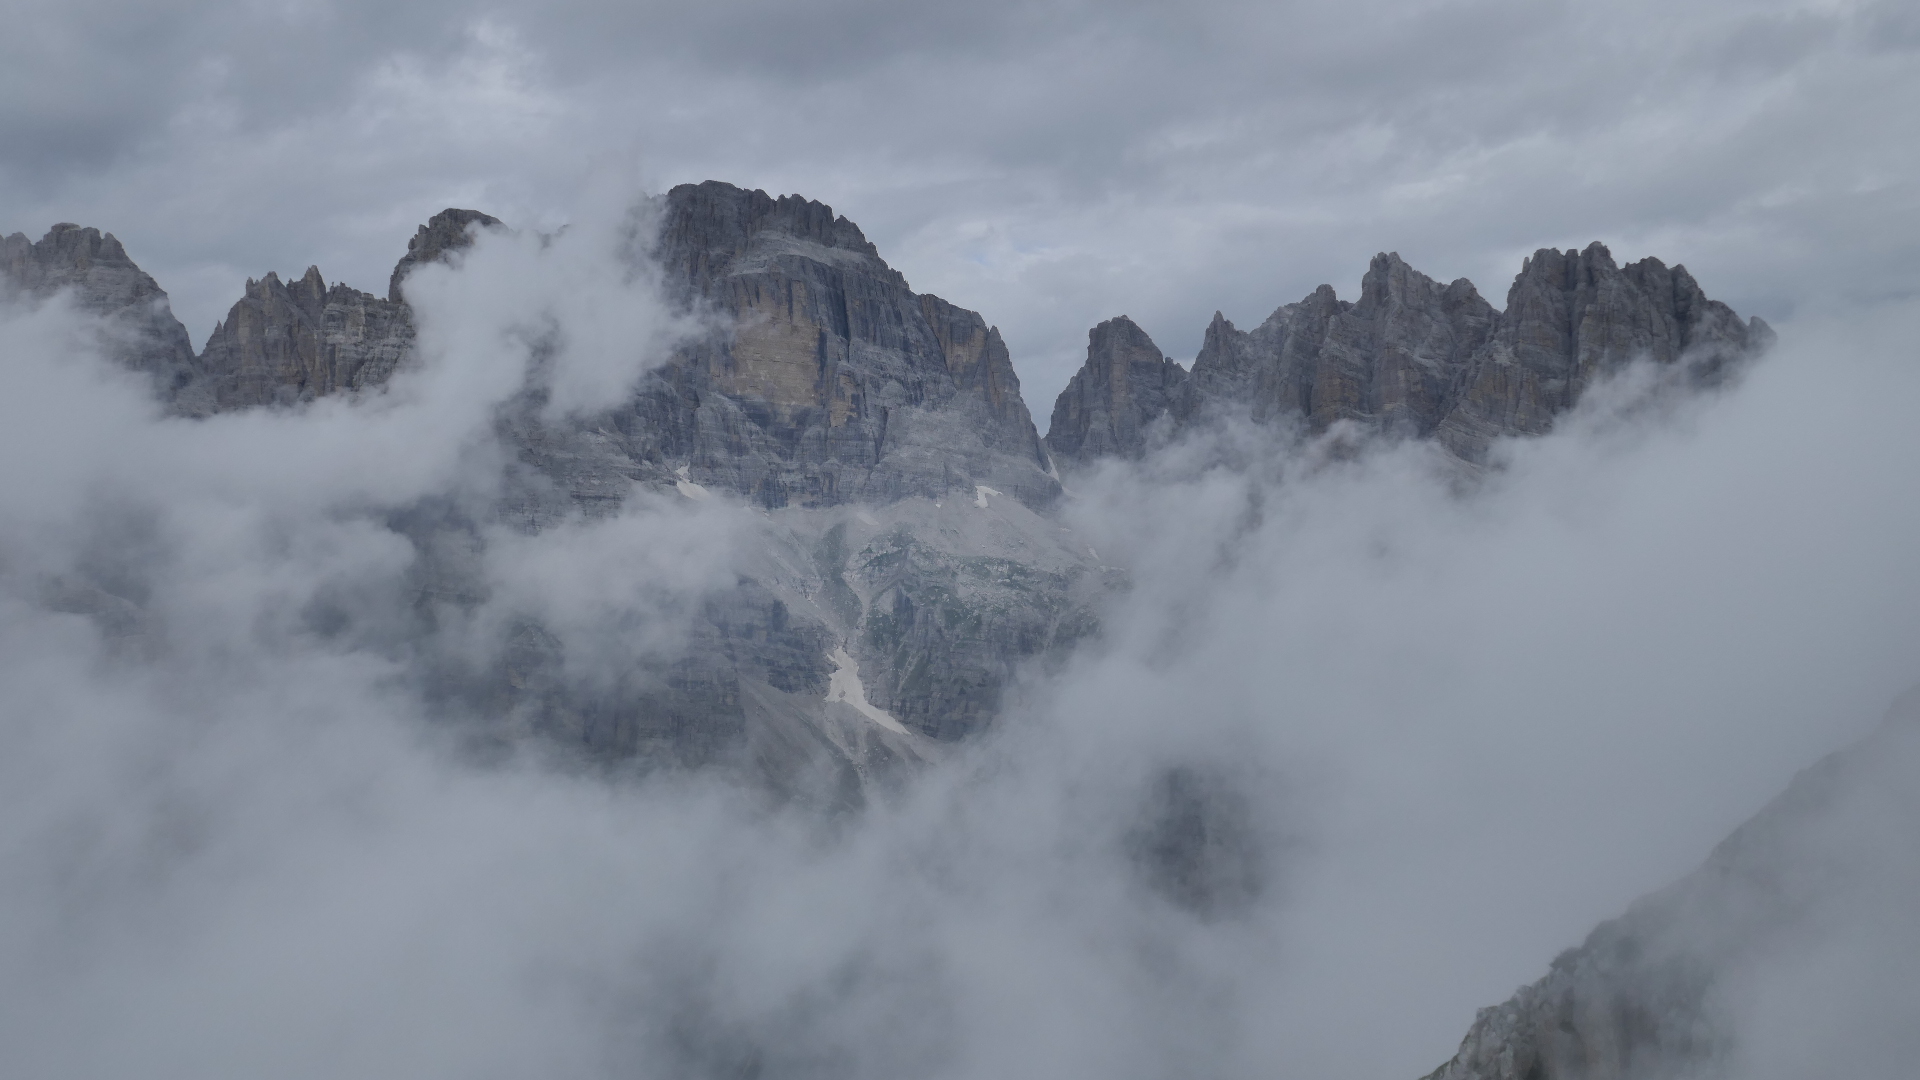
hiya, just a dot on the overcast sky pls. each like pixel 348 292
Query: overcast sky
pixel 1048 163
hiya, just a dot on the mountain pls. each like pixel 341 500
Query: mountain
pixel 907 497
pixel 908 565
pixel 1412 358
pixel 881 431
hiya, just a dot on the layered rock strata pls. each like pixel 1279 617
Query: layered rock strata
pixel 284 343
pixel 833 382
pixel 446 232
pixel 1414 358
pixel 1125 386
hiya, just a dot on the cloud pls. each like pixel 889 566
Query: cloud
pixel 1356 754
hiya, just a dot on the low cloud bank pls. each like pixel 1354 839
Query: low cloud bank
pixel 1358 753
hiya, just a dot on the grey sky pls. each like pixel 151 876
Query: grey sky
pixel 1048 164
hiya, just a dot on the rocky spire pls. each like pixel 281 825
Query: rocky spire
pixel 1110 405
pixel 1574 317
pixel 284 343
pixel 288 342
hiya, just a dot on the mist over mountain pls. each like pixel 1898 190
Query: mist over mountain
pixel 667 646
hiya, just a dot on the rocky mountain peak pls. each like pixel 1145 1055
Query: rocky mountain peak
pixel 312 287
pixel 1417 359
pixel 84 247
pixel 1388 275
pixel 707 228
pixel 1126 383
pixel 733 216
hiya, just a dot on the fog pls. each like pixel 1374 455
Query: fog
pixel 1436 726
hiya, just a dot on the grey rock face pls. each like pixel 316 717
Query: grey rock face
pixel 1108 406
pixel 1655 993
pixel 953 599
pixel 832 381
pixel 287 343
pixel 1417 359
pixel 1573 318
pixel 138 323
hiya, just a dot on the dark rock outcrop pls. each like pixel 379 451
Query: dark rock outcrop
pixel 287 343
pixel 1413 358
pixel 1125 386
pixel 1574 318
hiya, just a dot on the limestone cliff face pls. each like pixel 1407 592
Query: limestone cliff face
pixel 287 343
pixel 1574 317
pixel 1414 358
pixel 138 322
pixel 832 381
pixel 1110 403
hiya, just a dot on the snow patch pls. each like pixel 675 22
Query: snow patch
pixel 980 493
pixel 845 685
pixel 687 487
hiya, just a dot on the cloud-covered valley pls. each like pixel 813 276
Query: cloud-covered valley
pixel 1428 727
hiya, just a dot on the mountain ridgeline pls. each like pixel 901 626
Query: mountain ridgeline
pixel 834 383
pixel 1411 358
pixel 908 545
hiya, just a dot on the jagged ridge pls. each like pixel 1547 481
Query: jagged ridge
pixel 1412 358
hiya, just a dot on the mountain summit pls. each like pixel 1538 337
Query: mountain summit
pixel 908 565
